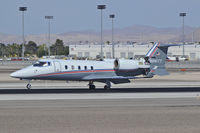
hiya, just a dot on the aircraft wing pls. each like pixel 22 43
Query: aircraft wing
pixel 99 77
pixel 113 79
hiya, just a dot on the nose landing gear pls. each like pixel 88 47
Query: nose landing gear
pixel 28 86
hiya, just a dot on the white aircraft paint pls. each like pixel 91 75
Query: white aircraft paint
pixel 107 71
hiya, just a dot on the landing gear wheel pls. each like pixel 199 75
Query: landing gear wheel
pixel 92 87
pixel 28 86
pixel 106 87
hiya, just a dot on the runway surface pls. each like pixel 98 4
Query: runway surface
pixel 160 105
pixel 51 94
pixel 119 110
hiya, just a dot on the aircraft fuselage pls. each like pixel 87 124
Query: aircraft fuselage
pixel 76 70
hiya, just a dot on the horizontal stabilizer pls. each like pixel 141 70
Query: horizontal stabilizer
pixel 168 45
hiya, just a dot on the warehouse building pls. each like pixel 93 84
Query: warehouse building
pixel 192 51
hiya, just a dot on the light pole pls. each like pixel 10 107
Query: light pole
pixel 112 16
pixel 193 37
pixel 101 7
pixel 183 35
pixel 49 41
pixel 22 9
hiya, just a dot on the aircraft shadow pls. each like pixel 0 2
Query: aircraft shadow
pixel 113 90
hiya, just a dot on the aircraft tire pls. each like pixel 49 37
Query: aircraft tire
pixel 92 87
pixel 106 87
pixel 28 86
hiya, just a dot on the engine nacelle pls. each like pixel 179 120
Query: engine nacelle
pixel 125 64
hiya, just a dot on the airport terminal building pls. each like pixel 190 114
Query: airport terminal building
pixel 192 51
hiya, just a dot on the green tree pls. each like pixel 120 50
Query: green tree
pixel 66 50
pixel 58 48
pixel 41 51
pixel 16 48
pixel 31 48
pixel 2 51
pixel 13 50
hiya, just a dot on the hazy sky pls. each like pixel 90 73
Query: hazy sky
pixel 76 15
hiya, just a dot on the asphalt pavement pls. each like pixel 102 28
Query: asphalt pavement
pixel 166 104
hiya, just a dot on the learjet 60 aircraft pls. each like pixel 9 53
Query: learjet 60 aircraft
pixel 107 71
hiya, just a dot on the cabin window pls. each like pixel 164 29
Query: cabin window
pixel 85 67
pixel 79 67
pixel 72 67
pixel 92 68
pixel 66 67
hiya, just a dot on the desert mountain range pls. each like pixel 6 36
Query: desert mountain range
pixel 135 33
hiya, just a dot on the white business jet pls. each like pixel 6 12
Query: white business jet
pixel 108 71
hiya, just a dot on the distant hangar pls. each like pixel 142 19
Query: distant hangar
pixel 192 51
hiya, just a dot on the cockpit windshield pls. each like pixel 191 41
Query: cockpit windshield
pixel 42 64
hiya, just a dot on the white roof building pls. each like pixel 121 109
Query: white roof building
pixel 130 50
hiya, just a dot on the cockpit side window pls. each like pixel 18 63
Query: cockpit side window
pixel 45 64
pixel 42 64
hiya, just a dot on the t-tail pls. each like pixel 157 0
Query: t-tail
pixel 156 57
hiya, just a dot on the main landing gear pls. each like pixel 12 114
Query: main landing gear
pixel 91 85
pixel 108 85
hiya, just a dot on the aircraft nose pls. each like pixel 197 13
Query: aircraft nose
pixel 23 73
pixel 14 74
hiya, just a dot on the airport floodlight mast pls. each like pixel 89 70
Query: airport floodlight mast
pixel 49 39
pixel 101 7
pixel 23 9
pixel 183 34
pixel 112 16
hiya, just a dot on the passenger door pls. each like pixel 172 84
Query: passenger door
pixel 57 66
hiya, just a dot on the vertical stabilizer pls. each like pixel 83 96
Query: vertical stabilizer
pixel 156 57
